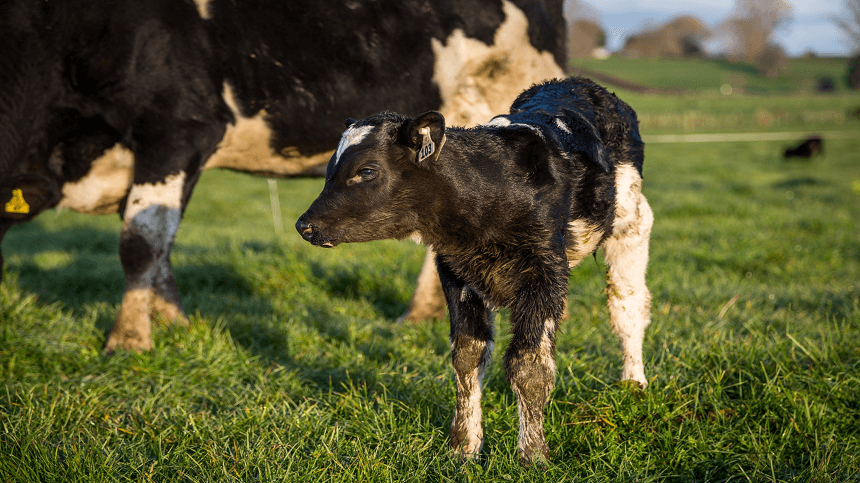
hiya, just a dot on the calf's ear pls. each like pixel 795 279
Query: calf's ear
pixel 426 135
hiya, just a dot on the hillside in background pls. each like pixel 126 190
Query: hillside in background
pixel 680 75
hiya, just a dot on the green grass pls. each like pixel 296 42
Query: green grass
pixel 787 103
pixel 293 369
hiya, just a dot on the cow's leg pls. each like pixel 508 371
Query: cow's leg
pixel 150 221
pixel 530 358
pixel 167 164
pixel 428 300
pixel 626 253
pixel 471 352
pixel 166 301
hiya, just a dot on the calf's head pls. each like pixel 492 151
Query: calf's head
pixel 376 180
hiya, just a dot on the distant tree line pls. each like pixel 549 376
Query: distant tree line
pixel 746 35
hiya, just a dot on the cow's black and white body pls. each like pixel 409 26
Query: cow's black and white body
pixel 115 106
pixel 510 207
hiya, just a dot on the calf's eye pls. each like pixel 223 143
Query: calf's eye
pixel 367 174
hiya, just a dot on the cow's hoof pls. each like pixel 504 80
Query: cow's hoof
pixel 125 342
pixel 124 336
pixel 169 311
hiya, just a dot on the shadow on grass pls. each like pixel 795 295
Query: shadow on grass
pixel 79 269
pixel 354 282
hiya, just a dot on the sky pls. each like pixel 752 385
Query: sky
pixel 811 27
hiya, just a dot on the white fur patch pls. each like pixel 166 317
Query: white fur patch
pixel 628 188
pixel 561 125
pixel 477 81
pixel 203 8
pixel 104 186
pixel 246 146
pixel 626 253
pixel 167 194
pixel 499 121
pixel 586 237
pixel 351 137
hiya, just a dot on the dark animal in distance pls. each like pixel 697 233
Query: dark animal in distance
pixel 115 106
pixel 812 146
pixel 509 206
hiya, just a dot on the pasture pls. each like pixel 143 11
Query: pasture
pixel 293 369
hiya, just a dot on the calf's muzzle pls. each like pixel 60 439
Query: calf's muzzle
pixel 311 234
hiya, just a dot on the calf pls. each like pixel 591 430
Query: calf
pixel 509 207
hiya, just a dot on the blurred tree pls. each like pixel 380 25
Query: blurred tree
pixel 772 61
pixel 585 33
pixel 585 36
pixel 680 37
pixel 748 30
pixel 854 72
pixel 849 23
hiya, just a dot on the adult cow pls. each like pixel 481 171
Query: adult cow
pixel 115 106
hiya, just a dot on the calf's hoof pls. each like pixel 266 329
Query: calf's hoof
pixel 464 448
pixel 535 455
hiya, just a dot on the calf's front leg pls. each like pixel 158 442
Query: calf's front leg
pixel 530 369
pixel 471 353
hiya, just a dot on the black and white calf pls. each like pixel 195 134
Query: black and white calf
pixel 510 207
pixel 115 106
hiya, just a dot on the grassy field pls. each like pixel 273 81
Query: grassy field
pixel 293 369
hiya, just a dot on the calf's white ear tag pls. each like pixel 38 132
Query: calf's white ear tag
pixel 427 145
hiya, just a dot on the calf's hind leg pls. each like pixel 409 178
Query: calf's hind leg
pixel 626 253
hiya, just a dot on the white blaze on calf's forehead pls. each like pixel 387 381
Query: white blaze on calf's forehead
pixel 351 137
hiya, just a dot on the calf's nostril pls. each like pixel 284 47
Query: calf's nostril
pixel 305 228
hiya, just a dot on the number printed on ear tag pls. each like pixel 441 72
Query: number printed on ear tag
pixel 427 146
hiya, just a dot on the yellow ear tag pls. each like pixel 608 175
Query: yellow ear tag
pixel 17 203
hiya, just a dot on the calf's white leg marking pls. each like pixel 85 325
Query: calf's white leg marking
pixel 532 383
pixel 626 254
pixel 467 433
